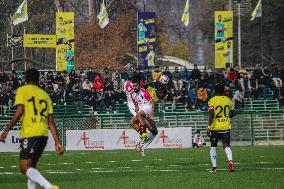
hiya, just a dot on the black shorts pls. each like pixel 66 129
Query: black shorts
pixel 224 136
pixel 32 148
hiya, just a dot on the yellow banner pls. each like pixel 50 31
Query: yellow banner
pixel 39 41
pixel 65 56
pixel 223 39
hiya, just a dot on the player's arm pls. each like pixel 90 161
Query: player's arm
pixel 51 124
pixel 17 116
pixel 232 112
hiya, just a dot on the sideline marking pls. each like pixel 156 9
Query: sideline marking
pixel 135 160
pixel 89 162
pixel 112 161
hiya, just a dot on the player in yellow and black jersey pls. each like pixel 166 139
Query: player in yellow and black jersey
pixel 35 110
pixel 220 111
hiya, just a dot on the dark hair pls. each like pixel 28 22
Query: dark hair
pixel 32 76
pixel 219 88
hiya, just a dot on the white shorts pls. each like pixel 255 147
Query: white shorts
pixel 131 108
pixel 147 109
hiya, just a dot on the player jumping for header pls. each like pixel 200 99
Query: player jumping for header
pixel 220 111
pixel 141 106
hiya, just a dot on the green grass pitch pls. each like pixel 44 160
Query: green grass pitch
pixel 256 167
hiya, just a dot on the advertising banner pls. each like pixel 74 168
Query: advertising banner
pixel 146 39
pixel 223 39
pixel 15 40
pixel 65 49
pixel 108 139
pixel 39 41
pixel 13 143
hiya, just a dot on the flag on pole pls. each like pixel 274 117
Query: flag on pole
pixel 185 15
pixel 103 16
pixel 21 15
pixel 257 12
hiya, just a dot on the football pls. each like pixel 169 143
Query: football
pixel 164 79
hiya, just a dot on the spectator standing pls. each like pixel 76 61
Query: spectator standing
pixel 185 74
pixel 195 74
pixel 245 84
pixel 192 97
pixel 90 74
pixel 87 87
pixel 220 77
pixel 109 100
pixel 177 80
pixel 116 79
pixel 124 75
pixel 257 72
pixel 274 71
pixel 262 87
pixel 106 75
pixel 3 104
pixel 210 78
pixel 267 76
pixel 238 99
pixel 77 94
pixel 232 78
pixel 98 83
pixel 101 101
pixel 169 74
pixel 184 98
pixel 253 87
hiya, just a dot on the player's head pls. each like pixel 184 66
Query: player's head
pixel 141 20
pixel 32 76
pixel 219 89
pixel 220 18
pixel 136 86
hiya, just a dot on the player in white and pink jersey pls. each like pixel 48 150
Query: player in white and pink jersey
pixel 144 107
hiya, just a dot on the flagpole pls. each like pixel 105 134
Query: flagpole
pixel 239 35
pixel 12 32
pixel 261 47
pixel 25 53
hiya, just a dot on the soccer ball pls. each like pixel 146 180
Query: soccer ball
pixel 164 79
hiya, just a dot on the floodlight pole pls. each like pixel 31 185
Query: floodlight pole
pixel 25 53
pixel 12 50
pixel 239 35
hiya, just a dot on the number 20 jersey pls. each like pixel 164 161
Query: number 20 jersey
pixel 37 107
pixel 221 105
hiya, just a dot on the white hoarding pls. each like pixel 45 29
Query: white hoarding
pixel 108 139
pixel 13 142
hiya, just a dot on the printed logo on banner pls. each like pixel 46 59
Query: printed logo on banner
pixel 126 140
pixel 168 141
pixel 90 143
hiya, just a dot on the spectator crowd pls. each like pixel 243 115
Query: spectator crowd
pixel 102 89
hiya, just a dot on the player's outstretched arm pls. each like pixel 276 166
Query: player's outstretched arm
pixel 17 116
pixel 232 113
pixel 58 147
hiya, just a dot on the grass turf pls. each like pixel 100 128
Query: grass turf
pixel 256 167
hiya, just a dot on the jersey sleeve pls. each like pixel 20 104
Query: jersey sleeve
pixel 49 106
pixel 147 96
pixel 211 105
pixel 231 105
pixel 20 97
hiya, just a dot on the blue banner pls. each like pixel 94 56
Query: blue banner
pixel 146 39
pixel 15 40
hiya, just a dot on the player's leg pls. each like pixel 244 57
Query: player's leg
pixel 31 150
pixel 213 150
pixel 153 131
pixel 226 137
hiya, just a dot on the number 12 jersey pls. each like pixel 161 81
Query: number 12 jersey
pixel 37 107
pixel 221 105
